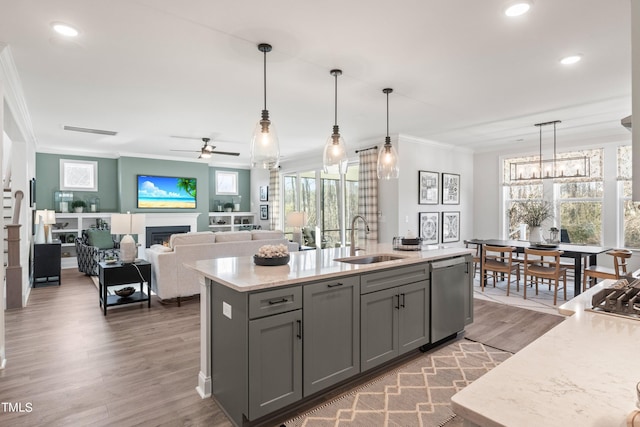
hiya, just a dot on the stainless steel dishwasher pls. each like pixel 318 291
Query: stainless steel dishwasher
pixel 451 296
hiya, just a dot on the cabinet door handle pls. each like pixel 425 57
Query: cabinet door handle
pixel 299 322
pixel 278 301
pixel 402 305
pixel 398 302
pixel 333 285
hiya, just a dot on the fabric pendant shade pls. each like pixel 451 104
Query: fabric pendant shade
pixel 265 148
pixel 128 224
pixel 388 156
pixel 335 150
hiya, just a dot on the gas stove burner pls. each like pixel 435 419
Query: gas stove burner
pixel 622 298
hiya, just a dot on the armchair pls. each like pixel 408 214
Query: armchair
pixel 94 246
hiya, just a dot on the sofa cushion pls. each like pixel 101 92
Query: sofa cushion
pixel 267 234
pixel 191 238
pixel 233 236
pixel 101 239
pixel 160 248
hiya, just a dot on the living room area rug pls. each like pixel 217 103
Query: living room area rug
pixel 416 394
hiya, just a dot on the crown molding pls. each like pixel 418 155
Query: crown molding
pixel 14 96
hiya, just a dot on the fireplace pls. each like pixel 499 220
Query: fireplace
pixel 160 235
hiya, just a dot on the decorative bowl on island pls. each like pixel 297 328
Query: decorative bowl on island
pixel 272 255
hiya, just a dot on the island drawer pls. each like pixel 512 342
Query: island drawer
pixel 386 279
pixel 275 301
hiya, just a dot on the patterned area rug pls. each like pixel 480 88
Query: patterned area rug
pixel 416 394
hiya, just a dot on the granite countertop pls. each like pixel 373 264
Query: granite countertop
pixel 581 373
pixel 241 274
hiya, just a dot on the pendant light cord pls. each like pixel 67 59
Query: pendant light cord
pixel 387 113
pixel 335 104
pixel 265 78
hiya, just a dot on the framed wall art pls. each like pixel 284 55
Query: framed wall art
pixel 264 212
pixel 450 227
pixel 450 189
pixel 429 227
pixel 79 175
pixel 264 193
pixel 227 183
pixel 428 187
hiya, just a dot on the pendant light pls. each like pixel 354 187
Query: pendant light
pixel 265 150
pixel 335 150
pixel 388 156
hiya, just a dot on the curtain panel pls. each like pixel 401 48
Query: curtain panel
pixel 368 191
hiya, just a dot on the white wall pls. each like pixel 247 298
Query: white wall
pixel 398 200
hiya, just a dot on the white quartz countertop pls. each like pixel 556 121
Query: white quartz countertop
pixel 581 373
pixel 241 274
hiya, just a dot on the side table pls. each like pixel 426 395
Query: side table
pixel 120 273
pixel 46 263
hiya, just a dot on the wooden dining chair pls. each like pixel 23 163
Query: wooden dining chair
pixel 476 255
pixel 542 264
pixel 593 272
pixel 499 259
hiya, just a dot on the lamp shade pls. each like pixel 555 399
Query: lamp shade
pixel 127 223
pixel 48 217
pixel 296 219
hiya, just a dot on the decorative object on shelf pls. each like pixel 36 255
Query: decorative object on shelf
pixel 221 222
pixel 62 200
pixel 128 224
pixel 125 292
pixel 450 189
pixel 450 227
pixel 429 227
pixel 60 226
pixel 78 205
pixel 228 207
pixel 428 188
pixel 44 219
pixel 335 149
pixel 264 193
pixel 71 238
pixel 533 213
pixel 297 220
pixel 236 203
pixel 264 212
pixel 272 255
pixel 388 156
pixel 265 149
pixel 556 167
pixel 94 204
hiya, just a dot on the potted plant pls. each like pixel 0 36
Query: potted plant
pixel 228 207
pixel 533 213
pixel 78 205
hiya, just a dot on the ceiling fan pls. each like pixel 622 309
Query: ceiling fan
pixel 208 150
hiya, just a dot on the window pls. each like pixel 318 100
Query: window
pixel 630 213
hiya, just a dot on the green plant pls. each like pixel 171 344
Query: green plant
pixel 78 204
pixel 533 212
pixel 228 205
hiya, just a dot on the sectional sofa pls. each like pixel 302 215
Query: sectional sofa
pixel 171 280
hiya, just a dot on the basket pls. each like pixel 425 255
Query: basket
pixel 125 292
pixel 270 262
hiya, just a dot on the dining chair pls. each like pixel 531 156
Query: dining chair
pixel 593 272
pixel 476 256
pixel 499 259
pixel 545 264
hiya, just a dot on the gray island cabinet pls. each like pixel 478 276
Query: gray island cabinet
pixel 273 337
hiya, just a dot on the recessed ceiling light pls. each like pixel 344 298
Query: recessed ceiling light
pixel 64 29
pixel 568 60
pixel 517 8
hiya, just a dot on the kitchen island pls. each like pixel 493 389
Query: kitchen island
pixel 273 336
pixel 581 373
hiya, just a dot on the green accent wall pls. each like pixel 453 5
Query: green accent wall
pixel 117 183
pixel 48 181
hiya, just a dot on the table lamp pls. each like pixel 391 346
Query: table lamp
pixel 127 224
pixel 44 219
pixel 297 220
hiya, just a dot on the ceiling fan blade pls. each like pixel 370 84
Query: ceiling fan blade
pixel 188 151
pixel 226 153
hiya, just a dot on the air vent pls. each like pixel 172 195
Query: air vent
pixel 626 122
pixel 87 130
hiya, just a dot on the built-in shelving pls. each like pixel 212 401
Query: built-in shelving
pixel 231 221
pixel 70 225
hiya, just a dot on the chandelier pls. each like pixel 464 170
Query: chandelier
pixel 553 168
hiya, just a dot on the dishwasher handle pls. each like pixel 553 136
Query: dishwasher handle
pixel 449 262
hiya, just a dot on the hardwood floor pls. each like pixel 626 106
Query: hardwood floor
pixel 136 366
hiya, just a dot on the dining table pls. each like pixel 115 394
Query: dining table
pixel 570 250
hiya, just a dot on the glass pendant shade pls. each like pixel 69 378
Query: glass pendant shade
pixel 335 154
pixel 388 162
pixel 265 149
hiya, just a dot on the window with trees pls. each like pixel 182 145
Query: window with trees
pixel 630 213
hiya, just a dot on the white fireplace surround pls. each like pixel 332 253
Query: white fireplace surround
pixel 167 220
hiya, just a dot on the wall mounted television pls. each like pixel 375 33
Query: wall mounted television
pixel 166 192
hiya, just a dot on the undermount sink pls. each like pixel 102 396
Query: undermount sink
pixel 369 259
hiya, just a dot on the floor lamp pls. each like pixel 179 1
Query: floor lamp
pixel 297 220
pixel 127 224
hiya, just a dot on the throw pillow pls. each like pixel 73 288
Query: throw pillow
pixel 101 239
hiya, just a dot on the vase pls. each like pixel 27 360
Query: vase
pixel 535 235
